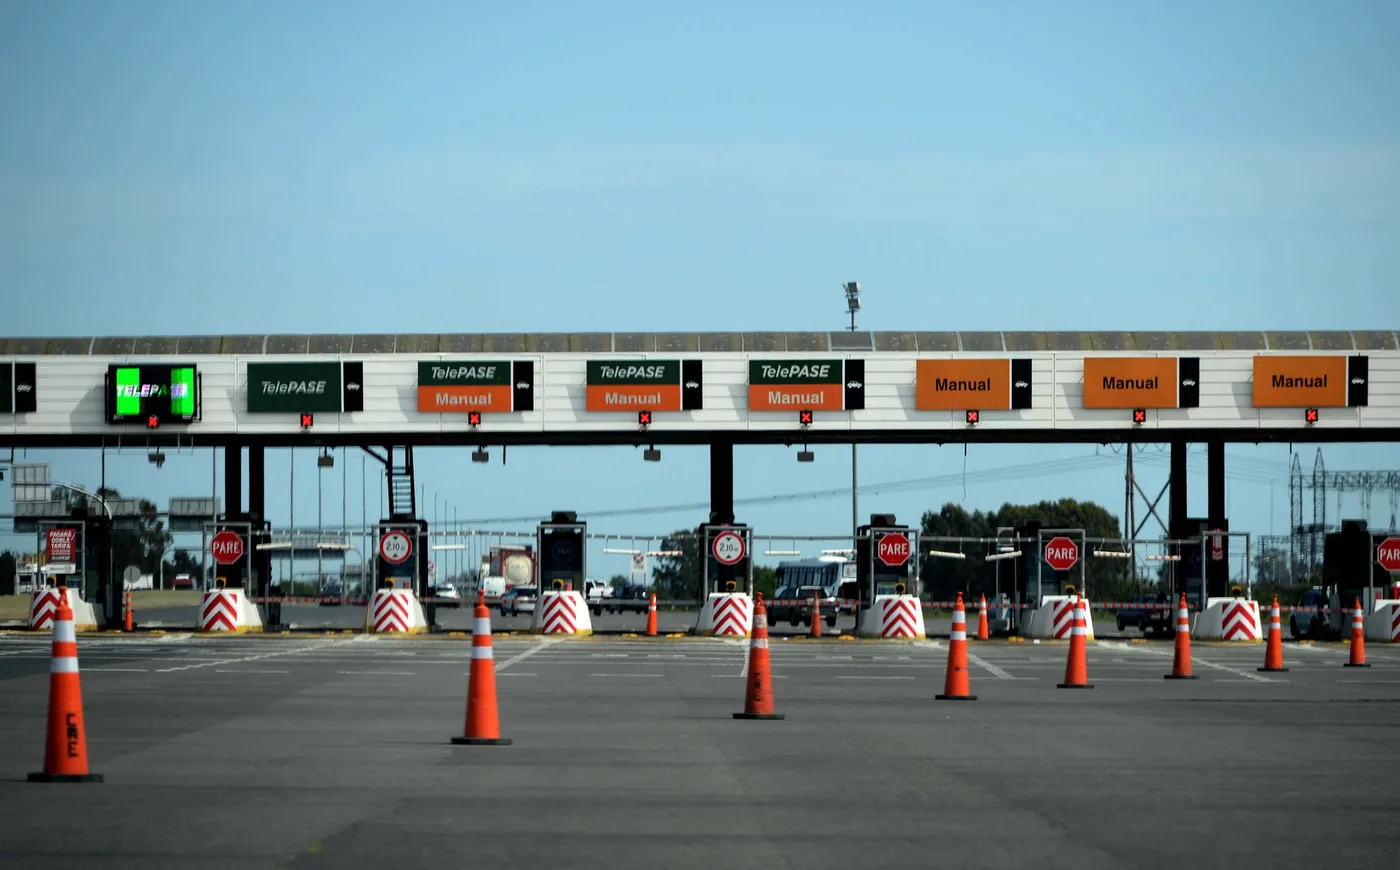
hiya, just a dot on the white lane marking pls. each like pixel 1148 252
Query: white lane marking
pixel 989 667
pixel 1209 664
pixel 285 652
pixel 654 676
pixel 1372 682
pixel 240 671
pixel 118 670
pixel 534 650
pixel 379 673
pixel 874 678
pixel 511 674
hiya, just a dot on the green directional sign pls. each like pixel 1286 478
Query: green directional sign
pixel 292 388
pixel 458 373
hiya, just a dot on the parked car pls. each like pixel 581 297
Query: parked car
pixel 635 599
pixel 1148 618
pixel 518 600
pixel 795 603
pixel 331 594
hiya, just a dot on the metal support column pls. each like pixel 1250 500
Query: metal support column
pixel 260 563
pixel 1176 513
pixel 722 482
pixel 1217 558
pixel 233 480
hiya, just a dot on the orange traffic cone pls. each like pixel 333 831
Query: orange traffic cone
pixel 651 616
pixel 65 752
pixel 483 725
pixel 955 684
pixel 1077 668
pixel 982 632
pixel 127 624
pixel 816 629
pixel 1181 661
pixel 758 699
pixel 1273 656
pixel 1358 639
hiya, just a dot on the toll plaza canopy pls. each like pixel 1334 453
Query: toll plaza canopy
pixel 687 387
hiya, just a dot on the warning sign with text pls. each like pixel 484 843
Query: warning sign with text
pixel 62 545
pixel 634 385
pixel 1130 382
pixel 791 385
pixel 1308 382
pixel 448 386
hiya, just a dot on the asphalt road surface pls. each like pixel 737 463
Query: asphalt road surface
pixel 300 751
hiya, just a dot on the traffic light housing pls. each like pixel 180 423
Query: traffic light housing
pixel 804 418
pixel 1310 416
pixel 307 420
pixel 974 417
pixel 643 418
pixel 1139 416
pixel 473 418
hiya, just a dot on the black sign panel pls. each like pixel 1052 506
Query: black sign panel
pixel 523 385
pixel 855 385
pixel 692 384
pixel 1358 381
pixel 562 547
pixel 352 386
pixel 1188 379
pixel 1020 384
pixel 26 388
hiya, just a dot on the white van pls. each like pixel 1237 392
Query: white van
pixel 494 587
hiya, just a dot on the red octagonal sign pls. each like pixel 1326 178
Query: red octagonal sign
pixel 226 547
pixel 893 549
pixel 1061 553
pixel 1388 555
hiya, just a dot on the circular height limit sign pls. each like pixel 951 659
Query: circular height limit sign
pixel 728 548
pixel 395 547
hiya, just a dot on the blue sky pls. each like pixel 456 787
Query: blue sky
pixel 170 167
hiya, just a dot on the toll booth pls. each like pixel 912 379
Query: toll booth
pixel 886 555
pixel 726 579
pixel 562 543
pixel 1204 563
pixel 726 556
pixel 887 581
pixel 561 569
pixel 1349 567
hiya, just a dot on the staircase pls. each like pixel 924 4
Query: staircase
pixel 402 489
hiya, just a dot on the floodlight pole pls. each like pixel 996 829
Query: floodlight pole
pixel 852 306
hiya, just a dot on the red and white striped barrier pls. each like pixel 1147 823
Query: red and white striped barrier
pixel 395 611
pixel 563 613
pixel 892 617
pixel 1054 619
pixel 228 610
pixel 727 614
pixel 43 604
pixel 1383 624
pixel 1229 619
pixel 42 607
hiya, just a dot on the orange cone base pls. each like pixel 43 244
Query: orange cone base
pixel 955 697
pixel 760 716
pixel 1273 670
pixel 1076 686
pixel 1357 665
pixel 65 777
pixel 481 741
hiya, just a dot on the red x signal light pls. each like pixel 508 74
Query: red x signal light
pixel 1139 416
pixel 153 422
pixel 804 418
pixel 643 418
pixel 473 418
pixel 307 420
pixel 1310 415
pixel 974 417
